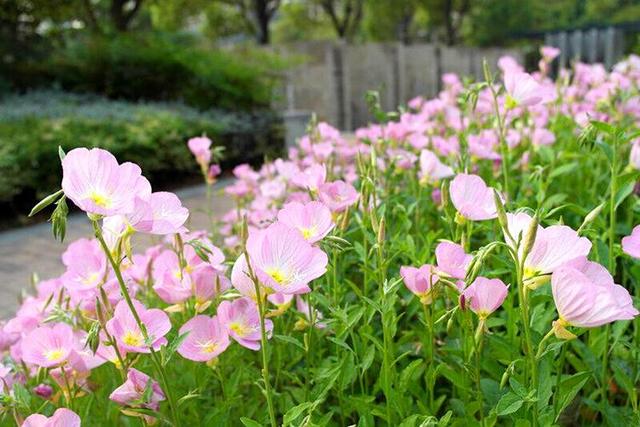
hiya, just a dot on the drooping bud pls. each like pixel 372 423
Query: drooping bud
pixel 530 236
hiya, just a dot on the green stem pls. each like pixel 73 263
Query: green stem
pixel 428 349
pixel 477 349
pixel 143 329
pixel 531 373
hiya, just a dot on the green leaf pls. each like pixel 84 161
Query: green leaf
pixel 508 404
pixel 295 412
pixel 61 153
pixel 248 422
pixel 45 202
pixel 290 340
pixel 569 388
pixel 173 347
pixel 624 192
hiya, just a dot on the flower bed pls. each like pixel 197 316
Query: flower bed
pixel 469 261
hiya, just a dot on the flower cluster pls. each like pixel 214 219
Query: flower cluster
pixel 468 198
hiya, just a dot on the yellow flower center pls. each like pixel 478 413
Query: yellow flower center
pixel 238 328
pixel 54 355
pixel 277 274
pixel 307 233
pixel 91 279
pixel 207 347
pixel 100 199
pixel 133 339
pixel 529 272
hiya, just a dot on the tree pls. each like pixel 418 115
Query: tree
pixel 390 19
pixel 257 15
pixel 345 15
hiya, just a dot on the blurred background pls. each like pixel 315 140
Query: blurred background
pixel 140 77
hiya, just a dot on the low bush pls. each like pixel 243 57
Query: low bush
pixel 152 135
pixel 152 67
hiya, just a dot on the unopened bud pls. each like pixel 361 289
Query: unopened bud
pixel 530 237
pixel 381 232
pixel 43 390
pixel 502 215
pixel 591 216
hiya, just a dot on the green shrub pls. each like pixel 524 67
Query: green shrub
pixel 153 135
pixel 153 67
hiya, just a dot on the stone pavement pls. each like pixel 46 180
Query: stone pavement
pixel 32 249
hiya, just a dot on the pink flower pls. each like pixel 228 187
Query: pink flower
pixel 472 198
pixel 137 387
pixel 161 213
pixel 311 178
pixel 522 89
pixel 313 219
pixel 338 195
pixel 484 296
pixel 98 185
pixel 554 245
pixel 310 313
pixel 171 281
pixel 63 417
pixel 86 265
pixel 241 319
pixel 631 243
pixel 549 53
pixel 206 340
pixel 432 169
pixel 48 346
pixel 587 296
pixel 452 259
pixel 125 330
pixel 542 136
pixel 201 148
pixel 420 281
pixel 283 260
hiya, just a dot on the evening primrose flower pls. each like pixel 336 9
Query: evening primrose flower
pixel 553 246
pixel 125 330
pixel 283 260
pixel 98 185
pixel 200 147
pixel 522 89
pixel 484 296
pixel 631 243
pixel 86 265
pixel 139 390
pixel 586 296
pixel 313 219
pixel 241 319
pixel 420 281
pixel 62 417
pixel 338 195
pixel 432 169
pixel 452 259
pixel 207 338
pixel 48 346
pixel 472 198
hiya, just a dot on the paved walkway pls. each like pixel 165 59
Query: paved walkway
pixel 32 249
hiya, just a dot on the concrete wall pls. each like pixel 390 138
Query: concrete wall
pixel 334 78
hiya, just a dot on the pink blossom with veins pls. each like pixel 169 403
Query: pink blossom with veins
pixel 484 296
pixel 62 417
pixel 311 178
pixel 162 213
pixel 338 195
pixel 420 281
pixel 542 136
pixel 522 89
pixel 241 319
pixel 123 327
pixel 200 147
pixel 283 260
pixel 48 346
pixel 432 169
pixel 472 198
pixel 86 265
pixel 553 246
pixel 588 298
pixel 207 338
pixel 172 282
pixel 134 390
pixel 631 243
pixel 98 185
pixel 313 220
pixel 452 259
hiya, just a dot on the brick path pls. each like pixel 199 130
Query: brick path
pixel 33 249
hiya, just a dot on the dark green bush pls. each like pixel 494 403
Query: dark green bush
pixel 153 67
pixel 153 135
